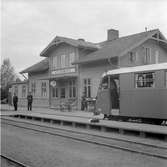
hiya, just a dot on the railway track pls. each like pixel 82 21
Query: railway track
pixel 12 162
pixel 123 144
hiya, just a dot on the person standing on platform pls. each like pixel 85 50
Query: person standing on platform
pixel 29 100
pixel 15 100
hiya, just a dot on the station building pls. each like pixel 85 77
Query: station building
pixel 73 67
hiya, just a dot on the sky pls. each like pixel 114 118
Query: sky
pixel 27 26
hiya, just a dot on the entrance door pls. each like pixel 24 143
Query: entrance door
pixel 62 93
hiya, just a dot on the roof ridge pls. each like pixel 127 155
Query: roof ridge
pixel 144 32
pixel 75 39
pixel 106 41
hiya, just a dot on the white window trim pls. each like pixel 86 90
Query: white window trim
pixel 87 86
pixel 157 56
pixel 146 61
pixel 33 88
pixel 44 89
pixel 55 62
pixel 23 91
pixel 143 80
pixel 72 86
pixel 71 59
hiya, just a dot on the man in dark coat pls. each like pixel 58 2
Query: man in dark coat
pixel 29 100
pixel 15 100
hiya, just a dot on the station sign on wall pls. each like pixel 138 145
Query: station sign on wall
pixel 63 71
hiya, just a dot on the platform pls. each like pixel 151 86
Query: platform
pixel 137 129
pixel 81 119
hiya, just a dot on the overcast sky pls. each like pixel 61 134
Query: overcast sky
pixel 29 25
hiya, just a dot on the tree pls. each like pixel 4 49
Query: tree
pixel 7 77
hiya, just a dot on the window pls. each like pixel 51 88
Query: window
pixel 87 87
pixel 62 93
pixel 72 89
pixel 71 59
pixel 33 88
pixel 43 89
pixel 62 61
pixel 156 56
pixel 23 91
pixel 145 80
pixel 55 92
pixel 16 90
pixel 55 62
pixel 166 78
pixel 132 57
pixel 66 61
pixel 147 57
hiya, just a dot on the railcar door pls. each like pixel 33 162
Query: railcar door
pixel 108 96
pixel 114 89
pixel 103 102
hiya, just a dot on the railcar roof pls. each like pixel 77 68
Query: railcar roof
pixel 152 67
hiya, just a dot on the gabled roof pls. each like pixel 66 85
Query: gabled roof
pixel 80 43
pixel 38 67
pixel 118 47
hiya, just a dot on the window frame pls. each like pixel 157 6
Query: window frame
pixel 71 59
pixel 62 61
pixel 132 57
pixel 87 86
pixel 147 55
pixel 157 56
pixel 33 88
pixel 64 96
pixel 43 89
pixel 145 81
pixel 55 92
pixel 55 62
pixel 72 89
pixel 23 91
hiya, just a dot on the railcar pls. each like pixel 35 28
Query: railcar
pixel 134 93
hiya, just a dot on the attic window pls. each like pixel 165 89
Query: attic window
pixel 132 57
pixel 147 56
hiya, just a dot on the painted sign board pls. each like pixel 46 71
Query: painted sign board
pixel 63 71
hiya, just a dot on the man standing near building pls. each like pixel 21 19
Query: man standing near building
pixel 29 100
pixel 15 100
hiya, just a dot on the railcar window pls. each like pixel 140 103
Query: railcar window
pixel 145 80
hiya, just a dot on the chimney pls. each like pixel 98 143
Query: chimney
pixel 112 34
